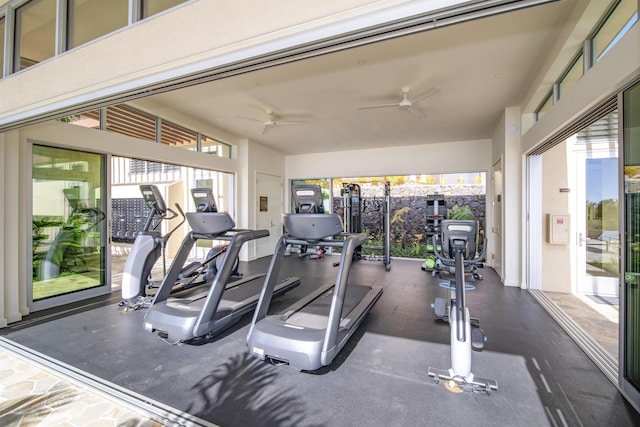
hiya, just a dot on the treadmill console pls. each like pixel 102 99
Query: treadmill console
pixel 312 226
pixel 203 199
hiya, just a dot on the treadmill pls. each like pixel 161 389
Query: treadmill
pixel 311 332
pixel 195 312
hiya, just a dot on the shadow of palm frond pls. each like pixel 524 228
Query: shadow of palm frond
pixel 242 392
pixel 32 409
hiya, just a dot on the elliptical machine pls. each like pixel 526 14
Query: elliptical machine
pixel 149 245
pixel 72 234
pixel 458 244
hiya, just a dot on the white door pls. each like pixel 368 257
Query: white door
pixel 268 212
pixel 175 194
pixel 598 239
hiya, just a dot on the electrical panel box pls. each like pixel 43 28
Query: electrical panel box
pixel 558 226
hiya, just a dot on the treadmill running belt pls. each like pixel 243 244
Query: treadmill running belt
pixel 246 291
pixel 315 314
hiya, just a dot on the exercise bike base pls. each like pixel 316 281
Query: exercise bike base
pixel 467 384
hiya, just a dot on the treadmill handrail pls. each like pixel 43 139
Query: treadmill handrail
pixel 185 248
pixel 335 313
pixel 266 294
pixel 218 286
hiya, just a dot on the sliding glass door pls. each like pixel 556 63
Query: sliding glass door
pixel 69 226
pixel 630 294
pixel 596 212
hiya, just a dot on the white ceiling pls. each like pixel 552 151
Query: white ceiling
pixel 481 67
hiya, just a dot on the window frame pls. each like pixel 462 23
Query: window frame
pixel 600 26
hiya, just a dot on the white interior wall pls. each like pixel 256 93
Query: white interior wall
pixel 260 159
pixel 508 135
pixel 556 276
pixel 460 156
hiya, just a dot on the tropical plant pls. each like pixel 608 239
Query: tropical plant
pixel 399 224
pixel 37 237
pixel 458 212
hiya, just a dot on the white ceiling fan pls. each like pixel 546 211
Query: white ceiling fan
pixel 271 121
pixel 407 103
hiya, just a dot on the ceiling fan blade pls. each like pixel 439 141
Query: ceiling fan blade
pixel 266 128
pixel 378 106
pixel 415 112
pixel 278 123
pixel 424 94
pixel 250 119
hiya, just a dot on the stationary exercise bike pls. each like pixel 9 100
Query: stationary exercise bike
pixel 458 244
pixel 147 248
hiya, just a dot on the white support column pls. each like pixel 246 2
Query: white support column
pixel 24 225
pixel 3 186
pixel 512 198
pixel 12 286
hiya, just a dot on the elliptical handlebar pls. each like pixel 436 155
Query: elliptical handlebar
pixel 174 215
pixel 461 303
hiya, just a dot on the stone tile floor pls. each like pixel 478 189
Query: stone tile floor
pixel 598 319
pixel 32 396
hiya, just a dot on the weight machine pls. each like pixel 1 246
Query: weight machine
pixel 353 207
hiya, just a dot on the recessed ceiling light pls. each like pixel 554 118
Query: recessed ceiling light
pixel 362 61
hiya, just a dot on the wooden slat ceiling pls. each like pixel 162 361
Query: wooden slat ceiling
pixel 131 122
pixel 175 135
pixel 127 121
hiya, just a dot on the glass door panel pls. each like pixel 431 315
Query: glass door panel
pixel 630 324
pixel 68 224
pixel 598 233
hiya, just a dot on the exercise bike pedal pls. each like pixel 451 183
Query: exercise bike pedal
pixel 440 308
pixel 478 338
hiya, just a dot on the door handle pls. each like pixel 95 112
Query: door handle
pixel 582 239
